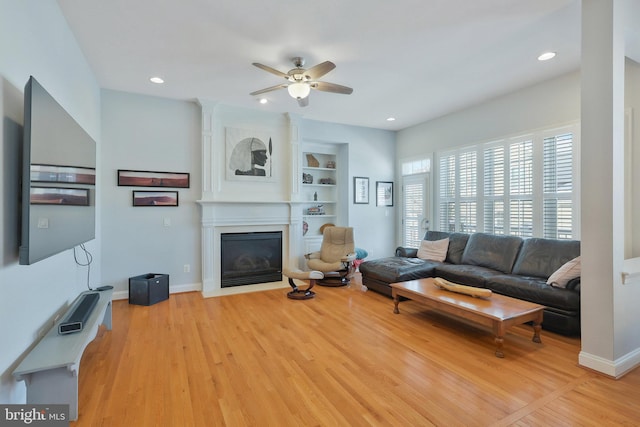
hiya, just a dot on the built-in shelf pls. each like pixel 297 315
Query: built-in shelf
pixel 325 194
pixel 319 169
pixel 319 202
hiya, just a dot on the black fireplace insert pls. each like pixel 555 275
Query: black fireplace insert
pixel 250 258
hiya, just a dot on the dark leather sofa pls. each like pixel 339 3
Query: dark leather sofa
pixel 508 265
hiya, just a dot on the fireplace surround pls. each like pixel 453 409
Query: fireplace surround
pixel 225 217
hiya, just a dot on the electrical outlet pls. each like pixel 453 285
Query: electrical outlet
pixel 167 222
pixel 43 222
pixel 187 268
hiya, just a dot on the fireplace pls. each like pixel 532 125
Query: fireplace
pixel 249 258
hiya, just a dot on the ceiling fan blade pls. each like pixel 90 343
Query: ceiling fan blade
pixel 303 102
pixel 331 87
pixel 269 89
pixel 271 70
pixel 319 70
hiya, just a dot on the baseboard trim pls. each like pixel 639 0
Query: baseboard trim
pixel 173 289
pixel 283 284
pixel 613 368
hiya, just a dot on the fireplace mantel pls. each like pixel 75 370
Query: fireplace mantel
pixel 244 216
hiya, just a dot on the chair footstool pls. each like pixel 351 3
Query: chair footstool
pixel 310 276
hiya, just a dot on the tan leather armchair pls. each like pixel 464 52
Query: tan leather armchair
pixel 336 256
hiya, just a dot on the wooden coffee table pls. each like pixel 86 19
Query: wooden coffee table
pixel 498 311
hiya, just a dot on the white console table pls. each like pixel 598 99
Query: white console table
pixel 51 368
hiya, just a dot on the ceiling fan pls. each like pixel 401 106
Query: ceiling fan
pixel 301 81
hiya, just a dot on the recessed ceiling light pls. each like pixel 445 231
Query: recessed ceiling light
pixel 546 56
pixel 391 119
pixel 157 80
pixel 263 101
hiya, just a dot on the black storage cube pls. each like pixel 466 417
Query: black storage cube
pixel 148 289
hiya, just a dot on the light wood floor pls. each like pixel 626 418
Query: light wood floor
pixel 341 359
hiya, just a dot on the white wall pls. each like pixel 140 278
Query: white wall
pixel 550 103
pixel 149 134
pixel 371 154
pixel 35 40
pixel 632 104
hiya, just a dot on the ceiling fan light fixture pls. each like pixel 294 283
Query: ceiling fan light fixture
pixel 299 90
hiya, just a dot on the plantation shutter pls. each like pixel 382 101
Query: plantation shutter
pixel 521 188
pixel 413 206
pixel 558 186
pixel 494 167
pixel 447 192
pixel 468 173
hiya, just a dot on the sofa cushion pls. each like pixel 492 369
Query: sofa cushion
pixel 535 289
pixel 561 277
pixel 457 243
pixel 398 269
pixel 541 257
pixel 492 251
pixel 433 250
pixel 463 274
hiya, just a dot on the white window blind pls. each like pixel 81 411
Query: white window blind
pixel 468 178
pixel 521 186
pixel 494 162
pixel 558 186
pixel 521 168
pixel 413 208
pixel 447 192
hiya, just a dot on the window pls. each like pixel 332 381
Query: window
pixel 468 176
pixel 447 192
pixel 414 167
pixel 415 201
pixel 558 186
pixel 522 186
pixel 494 161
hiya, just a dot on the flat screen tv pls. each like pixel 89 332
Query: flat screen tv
pixel 58 179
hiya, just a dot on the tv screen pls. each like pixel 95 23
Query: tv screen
pixel 58 178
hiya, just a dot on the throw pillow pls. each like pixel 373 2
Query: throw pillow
pixel 433 250
pixel 568 271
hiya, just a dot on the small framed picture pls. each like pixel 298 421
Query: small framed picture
pixel 360 190
pixel 155 198
pixel 384 193
pixel 59 196
pixel 66 174
pixel 129 178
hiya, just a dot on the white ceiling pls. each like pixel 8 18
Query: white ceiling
pixel 411 59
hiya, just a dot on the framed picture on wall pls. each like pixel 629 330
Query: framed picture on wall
pixel 360 190
pixel 384 193
pixel 68 174
pixel 59 196
pixel 155 198
pixel 249 155
pixel 129 178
